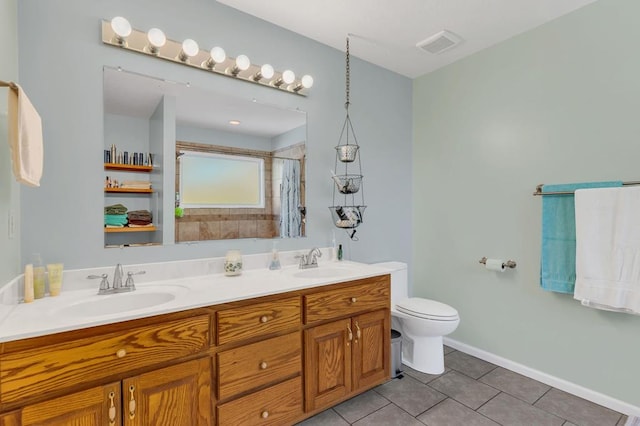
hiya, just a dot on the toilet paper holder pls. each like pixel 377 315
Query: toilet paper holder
pixel 508 264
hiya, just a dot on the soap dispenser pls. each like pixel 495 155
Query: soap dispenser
pixel 275 257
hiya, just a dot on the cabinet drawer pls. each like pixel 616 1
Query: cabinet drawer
pixel 277 405
pixel 54 367
pixel 345 301
pixel 258 364
pixel 258 319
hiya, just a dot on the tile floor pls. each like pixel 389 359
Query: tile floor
pixel 471 392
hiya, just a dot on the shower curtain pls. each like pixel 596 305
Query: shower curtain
pixel 290 216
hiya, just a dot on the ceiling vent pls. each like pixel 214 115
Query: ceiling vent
pixel 440 42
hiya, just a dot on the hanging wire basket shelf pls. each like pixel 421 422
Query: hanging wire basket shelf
pixel 347 217
pixel 347 153
pixel 348 184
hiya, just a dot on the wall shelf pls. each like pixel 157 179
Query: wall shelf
pixel 127 167
pixel 127 229
pixel 128 190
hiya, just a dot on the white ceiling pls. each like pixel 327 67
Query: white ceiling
pixel 385 32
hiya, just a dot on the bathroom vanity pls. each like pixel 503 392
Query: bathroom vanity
pixel 271 359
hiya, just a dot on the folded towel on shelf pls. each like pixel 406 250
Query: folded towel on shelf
pixel 25 138
pixel 135 184
pixel 115 219
pixel 558 255
pixel 140 215
pixel 135 225
pixel 608 249
pixel 115 209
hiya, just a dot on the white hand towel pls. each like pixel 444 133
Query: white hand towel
pixel 25 138
pixel 608 248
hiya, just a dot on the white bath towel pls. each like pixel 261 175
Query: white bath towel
pixel 25 138
pixel 608 248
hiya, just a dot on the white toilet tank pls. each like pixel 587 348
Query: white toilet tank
pixel 399 280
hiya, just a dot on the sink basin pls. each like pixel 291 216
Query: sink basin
pixel 121 302
pixel 320 272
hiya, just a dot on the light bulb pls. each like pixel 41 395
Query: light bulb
pixel 157 39
pixel 307 81
pixel 218 54
pixel 267 71
pixel 121 27
pixel 189 48
pixel 242 62
pixel 288 76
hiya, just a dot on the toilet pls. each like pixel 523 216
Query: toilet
pixel 422 322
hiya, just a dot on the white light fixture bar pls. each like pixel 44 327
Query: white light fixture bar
pixel 174 51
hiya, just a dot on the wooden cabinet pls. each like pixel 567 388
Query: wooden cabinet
pixel 273 360
pixel 259 363
pixel 347 356
pixel 92 407
pixel 178 396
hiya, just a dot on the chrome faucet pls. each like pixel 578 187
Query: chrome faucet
pixel 117 278
pixel 117 286
pixel 310 260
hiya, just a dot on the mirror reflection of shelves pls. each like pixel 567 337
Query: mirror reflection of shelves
pixel 128 194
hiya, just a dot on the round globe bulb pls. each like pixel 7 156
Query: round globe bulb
pixel 267 71
pixel 242 62
pixel 288 76
pixel 121 26
pixel 307 81
pixel 156 37
pixel 190 47
pixel 218 55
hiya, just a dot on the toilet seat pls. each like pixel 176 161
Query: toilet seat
pixel 427 309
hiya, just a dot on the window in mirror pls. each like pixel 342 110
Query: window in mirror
pixel 221 181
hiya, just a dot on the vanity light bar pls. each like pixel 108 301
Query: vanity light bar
pixel 119 33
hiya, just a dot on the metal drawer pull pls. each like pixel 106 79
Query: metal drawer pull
pixel 265 414
pixel 350 334
pixel 112 409
pixel 121 353
pixel 358 333
pixel 354 300
pixel 132 403
pixel 263 365
pixel 264 319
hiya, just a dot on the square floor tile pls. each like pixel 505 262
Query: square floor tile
pixel 410 395
pixel 463 389
pixel 448 349
pixel 389 415
pixel 326 418
pixel 419 375
pixel 467 364
pixel 577 410
pixel 510 411
pixel 514 384
pixel 361 406
pixel 450 412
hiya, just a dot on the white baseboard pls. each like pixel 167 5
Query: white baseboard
pixel 572 388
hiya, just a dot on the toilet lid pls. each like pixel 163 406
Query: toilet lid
pixel 425 308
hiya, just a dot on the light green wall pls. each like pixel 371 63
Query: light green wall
pixel 9 188
pixel 560 103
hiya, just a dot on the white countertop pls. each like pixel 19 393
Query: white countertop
pixel 57 314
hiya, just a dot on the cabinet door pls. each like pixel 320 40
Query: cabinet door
pixel 10 419
pixel 179 395
pixel 93 407
pixel 327 363
pixel 371 349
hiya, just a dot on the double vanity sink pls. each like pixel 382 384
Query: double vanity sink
pixel 85 308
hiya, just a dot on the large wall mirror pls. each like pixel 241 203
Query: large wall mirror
pixel 239 164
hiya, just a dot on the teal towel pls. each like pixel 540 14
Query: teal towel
pixel 558 257
pixel 115 219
